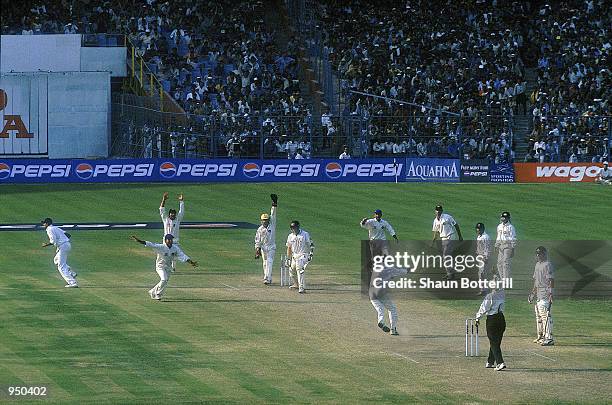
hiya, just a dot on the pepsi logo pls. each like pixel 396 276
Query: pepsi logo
pixel 333 170
pixel 167 170
pixel 5 171
pixel 250 170
pixel 84 171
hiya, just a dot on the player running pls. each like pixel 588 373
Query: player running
pixel 380 297
pixel 172 220
pixel 543 284
pixel 265 240
pixel 167 253
pixel 61 240
pixel 505 244
pixel 300 249
pixel 446 229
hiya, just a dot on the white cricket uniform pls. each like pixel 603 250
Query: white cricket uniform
pixel 172 227
pixel 483 248
pixel 378 245
pixel 301 248
pixel 505 244
pixel 376 229
pixel 604 176
pixel 62 247
pixel 164 262
pixel 265 239
pixel 445 225
pixel 542 275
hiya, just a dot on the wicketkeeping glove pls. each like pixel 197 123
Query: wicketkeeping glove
pixel 274 198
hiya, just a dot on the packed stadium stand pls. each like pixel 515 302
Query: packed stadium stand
pixel 499 80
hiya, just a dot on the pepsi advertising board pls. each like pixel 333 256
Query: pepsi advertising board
pixel 475 171
pixel 199 170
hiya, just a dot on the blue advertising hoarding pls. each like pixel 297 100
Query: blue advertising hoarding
pixel 14 171
pixel 199 170
pixel 432 170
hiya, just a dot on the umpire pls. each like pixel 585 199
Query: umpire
pixel 493 306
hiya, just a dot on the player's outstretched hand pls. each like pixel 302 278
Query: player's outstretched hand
pixel 193 263
pixel 477 323
pixel 274 198
pixel 180 197
pixel 257 253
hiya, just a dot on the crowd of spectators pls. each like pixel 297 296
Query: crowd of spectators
pixel 571 104
pixel 445 80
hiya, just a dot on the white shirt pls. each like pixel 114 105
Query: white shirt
pixel 493 303
pixel 173 227
pixel 376 229
pixel 604 173
pixel 506 236
pixel 542 275
pixel 57 236
pixel 166 255
pixel 483 245
pixel 300 244
pixel 265 238
pixel 344 155
pixel 445 225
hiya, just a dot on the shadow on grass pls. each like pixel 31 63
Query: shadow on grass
pixel 245 300
pixel 549 370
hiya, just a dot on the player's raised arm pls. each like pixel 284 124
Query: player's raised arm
pixel 274 199
pixel 181 211
pixel 363 223
pixel 162 207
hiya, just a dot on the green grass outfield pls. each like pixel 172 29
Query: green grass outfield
pixel 221 336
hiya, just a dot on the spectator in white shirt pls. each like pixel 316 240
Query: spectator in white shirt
pixel 345 154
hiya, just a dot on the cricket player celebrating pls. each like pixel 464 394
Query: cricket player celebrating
pixel 446 229
pixel 167 252
pixel 172 220
pixel 604 176
pixel 483 248
pixel 61 241
pixel 543 284
pixel 300 249
pixel 505 244
pixel 265 240
pixel 379 297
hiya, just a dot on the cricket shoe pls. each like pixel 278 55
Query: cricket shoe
pixel 538 340
pixel 301 291
pixel 293 286
pixel 384 327
pixel 548 343
pixel 500 367
pixel 152 294
pixel 489 365
pixel 394 332
pixel 75 285
pixel 267 282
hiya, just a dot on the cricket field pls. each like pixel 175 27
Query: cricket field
pixel 221 336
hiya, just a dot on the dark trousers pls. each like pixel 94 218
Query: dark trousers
pixel 496 325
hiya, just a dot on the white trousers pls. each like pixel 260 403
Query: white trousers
pixel 504 262
pixel 544 321
pixel 160 287
pixel 267 257
pixel 382 303
pixel 297 271
pixel 61 259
